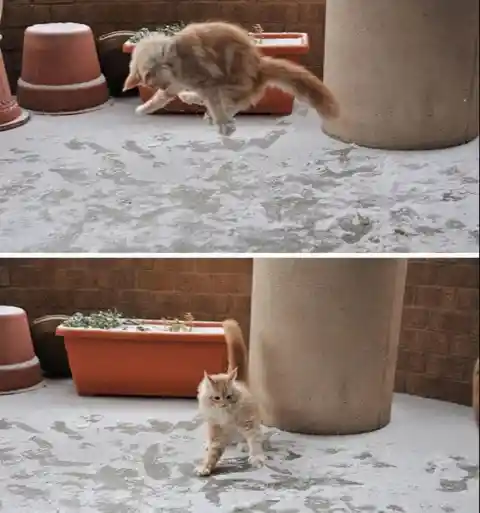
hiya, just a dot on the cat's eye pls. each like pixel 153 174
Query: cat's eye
pixel 216 398
pixel 228 397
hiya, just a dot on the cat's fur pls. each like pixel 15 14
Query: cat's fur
pixel 228 407
pixel 475 393
pixel 219 65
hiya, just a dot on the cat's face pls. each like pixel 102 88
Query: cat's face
pixel 220 389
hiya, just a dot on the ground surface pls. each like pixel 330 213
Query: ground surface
pixel 111 181
pixel 62 453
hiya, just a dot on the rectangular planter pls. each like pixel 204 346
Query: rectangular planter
pixel 144 363
pixel 286 45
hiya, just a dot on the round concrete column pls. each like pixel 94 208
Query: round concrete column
pixel 323 342
pixel 404 71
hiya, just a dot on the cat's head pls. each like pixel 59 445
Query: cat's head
pixel 147 66
pixel 219 390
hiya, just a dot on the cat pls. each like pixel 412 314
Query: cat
pixel 219 65
pixel 475 393
pixel 228 407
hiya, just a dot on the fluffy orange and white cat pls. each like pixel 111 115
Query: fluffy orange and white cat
pixel 218 64
pixel 228 407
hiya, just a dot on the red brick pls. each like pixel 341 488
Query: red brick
pixel 409 295
pixel 224 265
pixel 421 273
pixel 312 12
pixel 25 15
pixel 429 297
pixel 436 365
pixel 175 265
pixel 4 276
pixel 433 342
pixel 467 299
pixel 457 322
pixel 415 317
pixel 464 345
pixel 400 378
pixel 425 386
pixel 416 362
pixel 154 280
pixel 195 283
pixel 448 299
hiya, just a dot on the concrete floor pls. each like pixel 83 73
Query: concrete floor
pixel 111 181
pixel 62 453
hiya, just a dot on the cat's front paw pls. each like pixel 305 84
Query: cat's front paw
pixel 141 109
pixel 203 471
pixel 257 461
pixel 208 118
pixel 227 128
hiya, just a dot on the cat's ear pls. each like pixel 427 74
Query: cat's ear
pixel 232 376
pixel 208 378
pixel 133 80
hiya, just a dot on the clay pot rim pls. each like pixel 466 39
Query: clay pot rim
pixel 272 49
pixel 157 336
pixel 9 310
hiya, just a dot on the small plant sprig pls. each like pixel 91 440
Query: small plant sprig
pixel 106 320
pixel 177 325
pixel 257 29
pixel 168 29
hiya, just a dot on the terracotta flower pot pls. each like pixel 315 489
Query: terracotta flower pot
pixel 19 367
pixel 144 363
pixel 287 45
pixel 50 347
pixel 114 61
pixel 60 70
pixel 11 115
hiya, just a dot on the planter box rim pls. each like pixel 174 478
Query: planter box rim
pixel 265 36
pixel 119 333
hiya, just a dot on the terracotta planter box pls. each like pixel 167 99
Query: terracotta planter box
pixel 144 363
pixel 287 45
pixel 19 367
pixel 60 70
pixel 11 115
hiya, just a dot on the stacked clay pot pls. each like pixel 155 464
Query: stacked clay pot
pixel 60 70
pixel 19 367
pixel 11 115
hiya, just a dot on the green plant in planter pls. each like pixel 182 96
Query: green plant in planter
pixel 176 325
pixel 168 30
pixel 106 320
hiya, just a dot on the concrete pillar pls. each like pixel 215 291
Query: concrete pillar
pixel 404 71
pixel 323 342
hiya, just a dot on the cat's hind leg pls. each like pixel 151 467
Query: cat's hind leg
pixel 191 98
pixel 215 107
pixel 254 439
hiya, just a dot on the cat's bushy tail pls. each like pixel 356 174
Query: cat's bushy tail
pixel 236 349
pixel 299 81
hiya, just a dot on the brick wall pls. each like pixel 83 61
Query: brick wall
pixel 211 289
pixel 107 15
pixel 439 338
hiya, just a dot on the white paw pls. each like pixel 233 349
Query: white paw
pixel 208 118
pixel 257 461
pixel 203 471
pixel 141 109
pixel 227 128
